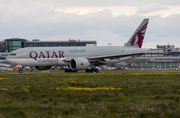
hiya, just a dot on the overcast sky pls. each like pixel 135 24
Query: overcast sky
pixel 106 21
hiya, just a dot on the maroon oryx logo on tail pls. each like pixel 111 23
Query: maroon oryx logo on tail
pixel 138 37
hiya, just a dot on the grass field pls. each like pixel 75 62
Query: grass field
pixel 108 94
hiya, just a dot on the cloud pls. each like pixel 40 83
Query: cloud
pixel 81 7
pixel 52 21
pixel 71 3
pixel 153 7
pixel 103 37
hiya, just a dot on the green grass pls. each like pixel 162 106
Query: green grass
pixel 141 95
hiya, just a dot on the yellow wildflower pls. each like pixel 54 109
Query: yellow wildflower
pixel 83 108
pixel 57 89
pixel 121 95
pixel 72 82
pixel 86 81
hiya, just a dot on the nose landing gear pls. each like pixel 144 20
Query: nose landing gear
pixel 20 70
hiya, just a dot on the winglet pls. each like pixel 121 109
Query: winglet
pixel 137 38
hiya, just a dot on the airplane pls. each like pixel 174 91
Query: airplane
pixel 80 58
pixel 4 65
pixel 8 67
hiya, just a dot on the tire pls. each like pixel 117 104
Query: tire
pixel 87 70
pixel 96 70
pixel 92 70
pixel 20 71
pixel 69 70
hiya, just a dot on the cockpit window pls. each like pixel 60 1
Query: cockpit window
pixel 13 54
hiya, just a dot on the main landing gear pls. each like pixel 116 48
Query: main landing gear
pixel 93 70
pixel 69 70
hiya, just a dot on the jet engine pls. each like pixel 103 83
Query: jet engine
pixel 79 64
pixel 43 67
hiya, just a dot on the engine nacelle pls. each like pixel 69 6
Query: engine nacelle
pixel 42 67
pixel 79 64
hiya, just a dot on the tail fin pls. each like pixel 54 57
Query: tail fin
pixel 137 38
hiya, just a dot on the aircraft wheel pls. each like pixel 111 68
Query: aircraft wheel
pixel 88 70
pixel 20 71
pixel 69 70
pixel 96 70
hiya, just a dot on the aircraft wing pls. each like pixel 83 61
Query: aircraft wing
pixel 120 55
pixel 4 65
pixel 115 56
pixel 110 56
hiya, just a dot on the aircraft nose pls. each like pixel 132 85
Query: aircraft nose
pixel 10 60
pixel 7 58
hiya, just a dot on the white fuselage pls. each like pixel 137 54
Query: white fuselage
pixel 49 56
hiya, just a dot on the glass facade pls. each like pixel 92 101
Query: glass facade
pixel 14 44
pixel 158 65
pixel 156 62
pixel 51 44
pixel 2 47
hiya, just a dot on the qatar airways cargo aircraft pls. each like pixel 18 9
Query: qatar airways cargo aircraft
pixel 80 58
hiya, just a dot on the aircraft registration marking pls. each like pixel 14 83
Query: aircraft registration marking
pixel 76 51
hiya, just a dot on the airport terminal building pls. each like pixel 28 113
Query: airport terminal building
pixel 8 45
pixel 168 58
